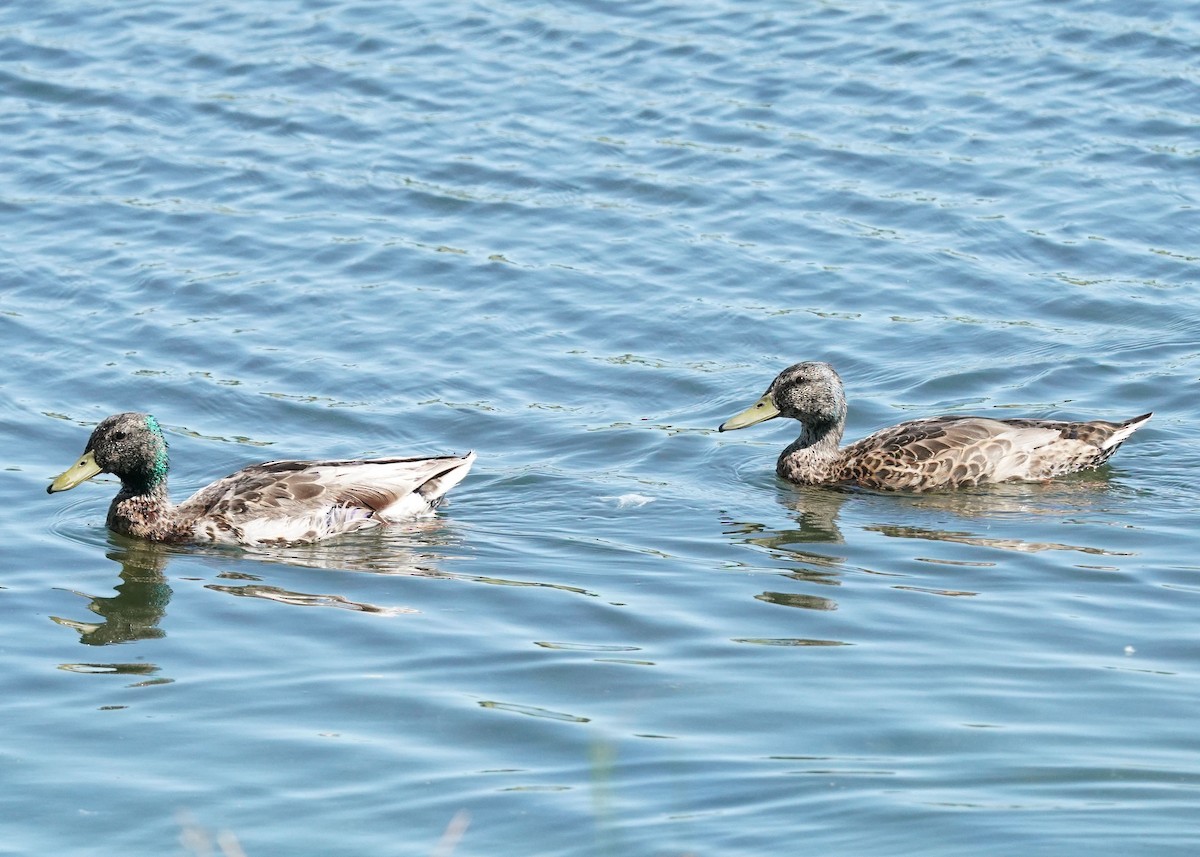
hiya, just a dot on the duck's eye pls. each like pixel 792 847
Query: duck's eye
pixel 118 435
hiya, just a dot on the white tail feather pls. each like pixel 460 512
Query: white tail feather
pixel 1126 430
pixel 422 499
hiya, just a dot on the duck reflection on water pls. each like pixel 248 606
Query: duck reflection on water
pixel 966 517
pixel 141 601
pixel 136 610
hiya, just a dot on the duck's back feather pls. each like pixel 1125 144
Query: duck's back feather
pixel 301 501
pixel 952 451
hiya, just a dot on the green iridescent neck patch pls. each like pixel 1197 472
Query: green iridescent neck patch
pixel 160 451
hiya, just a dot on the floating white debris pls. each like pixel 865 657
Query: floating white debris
pixel 1129 650
pixel 626 500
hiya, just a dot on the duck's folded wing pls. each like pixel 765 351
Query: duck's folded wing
pixel 296 501
pixel 959 450
pixel 947 451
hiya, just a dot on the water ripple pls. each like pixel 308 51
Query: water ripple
pixel 575 238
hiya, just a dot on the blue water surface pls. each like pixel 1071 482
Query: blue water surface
pixel 575 237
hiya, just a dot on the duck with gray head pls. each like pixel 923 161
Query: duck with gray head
pixel 277 502
pixel 935 453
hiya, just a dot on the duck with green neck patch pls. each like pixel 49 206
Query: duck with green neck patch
pixel 277 502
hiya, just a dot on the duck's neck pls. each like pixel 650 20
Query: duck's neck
pixel 811 458
pixel 144 511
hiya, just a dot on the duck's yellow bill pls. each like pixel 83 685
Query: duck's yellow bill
pixel 762 410
pixel 82 471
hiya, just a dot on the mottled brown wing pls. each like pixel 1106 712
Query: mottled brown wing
pixel 288 486
pixel 275 491
pixel 284 501
pixel 940 452
pixel 282 486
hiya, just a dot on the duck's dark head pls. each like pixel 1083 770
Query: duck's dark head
pixel 130 446
pixel 810 392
